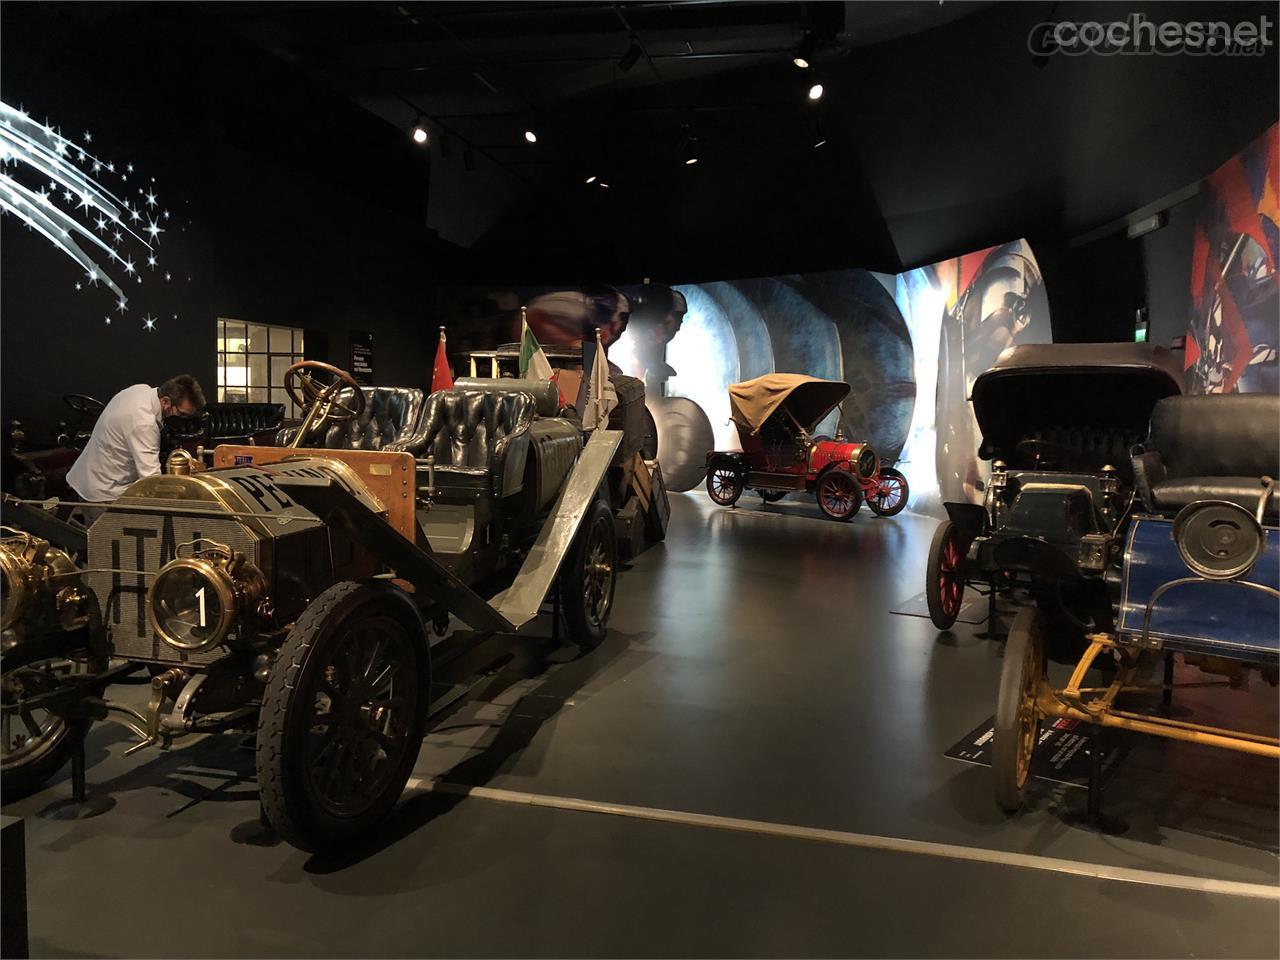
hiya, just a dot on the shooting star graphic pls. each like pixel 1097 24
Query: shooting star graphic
pixel 42 183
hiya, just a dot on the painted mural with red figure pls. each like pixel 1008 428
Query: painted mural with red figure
pixel 1234 335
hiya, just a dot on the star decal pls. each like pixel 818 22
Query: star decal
pixel 121 305
pixel 151 199
pixel 148 322
pixel 154 230
pixel 88 137
pixel 151 261
pixel 128 266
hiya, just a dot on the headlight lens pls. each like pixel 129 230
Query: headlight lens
pixel 192 604
pixel 868 462
pixel 15 591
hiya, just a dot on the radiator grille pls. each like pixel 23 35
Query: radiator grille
pixel 124 541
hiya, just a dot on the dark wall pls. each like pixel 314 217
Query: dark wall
pixel 288 206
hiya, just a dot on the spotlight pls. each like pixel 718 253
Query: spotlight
pixel 532 137
pixel 804 54
pixel 815 92
pixel 419 134
pixel 591 179
pixel 631 57
pixel 691 153
pixel 604 185
pixel 820 142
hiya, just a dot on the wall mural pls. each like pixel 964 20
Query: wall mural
pixel 56 186
pixel 962 313
pixel 896 340
pixel 1232 340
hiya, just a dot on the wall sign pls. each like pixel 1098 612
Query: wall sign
pixel 361 365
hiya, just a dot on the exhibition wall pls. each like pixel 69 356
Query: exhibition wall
pixel 269 221
pixel 909 346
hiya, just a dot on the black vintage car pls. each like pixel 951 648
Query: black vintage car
pixel 293 590
pixel 1057 422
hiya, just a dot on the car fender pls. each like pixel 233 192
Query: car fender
pixel 970 520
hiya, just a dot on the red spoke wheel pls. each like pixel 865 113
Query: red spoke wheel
pixel 944 586
pixel 724 483
pixel 1017 714
pixel 890 494
pixel 839 494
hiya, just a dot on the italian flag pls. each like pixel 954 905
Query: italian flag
pixel 534 364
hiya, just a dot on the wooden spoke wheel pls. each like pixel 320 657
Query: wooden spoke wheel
pixel 589 577
pixel 772 496
pixel 944 583
pixel 343 715
pixel 890 494
pixel 35 742
pixel 1017 715
pixel 724 483
pixel 839 494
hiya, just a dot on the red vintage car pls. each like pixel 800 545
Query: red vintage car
pixel 775 416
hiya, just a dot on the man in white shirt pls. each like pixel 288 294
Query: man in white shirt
pixel 125 445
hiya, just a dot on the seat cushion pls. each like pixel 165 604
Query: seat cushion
pixel 1228 436
pixel 241 419
pixel 467 429
pixel 1172 495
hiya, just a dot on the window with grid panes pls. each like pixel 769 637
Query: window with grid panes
pixel 252 359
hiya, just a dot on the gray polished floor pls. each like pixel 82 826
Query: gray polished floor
pixel 754 671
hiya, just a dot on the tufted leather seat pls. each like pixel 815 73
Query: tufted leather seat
pixel 225 421
pixel 1210 448
pixel 470 430
pixel 388 420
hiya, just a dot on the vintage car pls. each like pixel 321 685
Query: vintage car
pixel 293 590
pixel 775 415
pixel 42 472
pixel 1057 422
pixel 1200 577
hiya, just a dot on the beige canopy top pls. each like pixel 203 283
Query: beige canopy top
pixel 808 399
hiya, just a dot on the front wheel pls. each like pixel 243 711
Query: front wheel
pixel 343 715
pixel 944 583
pixel 36 742
pixel 890 495
pixel 839 494
pixel 589 577
pixel 1017 716
pixel 724 482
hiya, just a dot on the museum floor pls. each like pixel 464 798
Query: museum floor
pixel 753 671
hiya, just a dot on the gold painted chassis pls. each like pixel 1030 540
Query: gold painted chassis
pixel 1096 705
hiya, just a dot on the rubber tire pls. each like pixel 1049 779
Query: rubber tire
pixel 25 779
pixel 857 492
pixel 725 464
pixel 1027 630
pixel 900 505
pixel 942 619
pixel 281 793
pixel 581 631
pixel 772 496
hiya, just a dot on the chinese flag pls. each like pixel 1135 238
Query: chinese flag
pixel 441 378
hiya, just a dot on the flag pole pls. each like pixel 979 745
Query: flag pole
pixel 598 359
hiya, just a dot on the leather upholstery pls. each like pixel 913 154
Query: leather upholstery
pixel 226 420
pixel 1210 448
pixel 470 431
pixel 387 422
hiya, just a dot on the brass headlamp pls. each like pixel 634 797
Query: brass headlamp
pixel 196 600
pixel 30 567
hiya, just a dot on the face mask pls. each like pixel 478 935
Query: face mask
pixel 176 423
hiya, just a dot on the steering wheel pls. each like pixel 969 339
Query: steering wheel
pixel 305 390
pixel 1044 450
pixel 84 405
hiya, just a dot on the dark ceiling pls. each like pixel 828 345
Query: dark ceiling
pixel 943 134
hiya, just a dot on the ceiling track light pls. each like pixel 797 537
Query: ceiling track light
pixel 419 131
pixel 691 152
pixel 804 53
pixel 591 179
pixel 632 56
pixel 815 90
pixel 530 136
